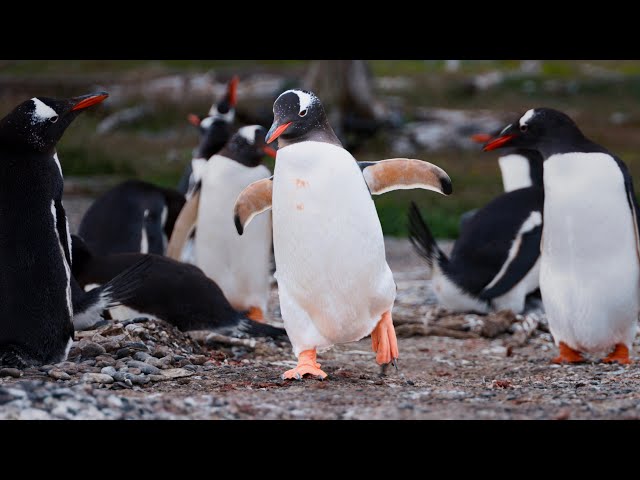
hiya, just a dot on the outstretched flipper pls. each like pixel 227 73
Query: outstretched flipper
pixel 253 200
pixel 185 224
pixel 404 174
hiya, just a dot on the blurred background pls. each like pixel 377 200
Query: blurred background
pixel 424 109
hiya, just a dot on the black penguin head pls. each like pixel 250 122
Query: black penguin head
pixel 39 123
pixel 541 129
pixel 248 146
pixel 222 111
pixel 295 114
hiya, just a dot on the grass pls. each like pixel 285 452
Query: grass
pixel 157 146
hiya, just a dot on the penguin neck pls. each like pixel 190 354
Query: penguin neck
pixel 243 153
pixel 535 166
pixel 323 133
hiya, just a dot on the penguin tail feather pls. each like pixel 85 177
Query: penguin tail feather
pixel 422 239
pixel 123 286
pixel 256 329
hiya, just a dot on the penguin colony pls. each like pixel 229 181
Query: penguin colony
pixel 199 256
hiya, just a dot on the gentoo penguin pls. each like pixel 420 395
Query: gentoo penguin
pixel 89 306
pixel 172 291
pixel 36 309
pixel 589 270
pixel 133 216
pixel 495 260
pixel 334 283
pixel 239 265
pixel 215 131
pixel 519 167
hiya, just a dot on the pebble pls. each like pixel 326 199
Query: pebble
pixel 108 371
pixel 97 378
pixel 91 349
pixel 105 361
pixel 111 346
pixel 136 346
pixel 10 372
pixel 59 374
pixel 142 356
pixel 199 359
pixel 123 352
pixel 135 320
pixel 176 373
pixel 144 367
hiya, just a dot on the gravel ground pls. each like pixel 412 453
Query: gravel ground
pixel 143 369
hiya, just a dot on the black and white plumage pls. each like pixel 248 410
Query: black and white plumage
pixel 178 293
pixel 35 291
pixel 494 263
pixel 215 131
pixel 134 216
pixel 88 307
pixel 589 273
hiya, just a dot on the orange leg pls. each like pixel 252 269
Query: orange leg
pixel 255 314
pixel 307 365
pixel 383 340
pixel 620 354
pixel 568 355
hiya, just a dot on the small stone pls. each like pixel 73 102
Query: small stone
pixel 140 379
pixel 161 351
pixel 133 328
pixel 144 367
pixel 33 414
pixel 135 320
pixel 191 368
pixel 97 378
pixel 10 372
pixel 154 362
pixel 177 358
pixel 136 346
pixel 142 356
pixel 157 378
pixel 91 349
pixel 105 361
pixel 199 359
pixel 123 352
pixel 134 371
pixel 183 363
pixel 68 367
pixel 108 371
pixel 59 374
pixel 176 373
pixel 111 346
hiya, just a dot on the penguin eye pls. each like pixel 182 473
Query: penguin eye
pixel 303 112
pixel 54 119
pixel 524 128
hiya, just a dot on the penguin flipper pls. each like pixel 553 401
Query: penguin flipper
pixel 185 223
pixel 404 174
pixel 253 200
pixel 514 270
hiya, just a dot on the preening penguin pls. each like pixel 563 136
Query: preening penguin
pixel 333 279
pixel 495 260
pixel 36 309
pixel 215 131
pixel 134 216
pixel 240 265
pixel 178 293
pixel 589 270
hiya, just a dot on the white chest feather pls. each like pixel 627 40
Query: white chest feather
pixel 238 264
pixel 333 278
pixel 516 172
pixel 589 274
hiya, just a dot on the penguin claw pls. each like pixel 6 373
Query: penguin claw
pixel 394 362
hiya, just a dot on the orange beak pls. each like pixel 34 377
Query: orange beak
pixel 194 119
pixel 89 100
pixel 480 137
pixel 497 143
pixel 269 151
pixel 232 90
pixel 277 132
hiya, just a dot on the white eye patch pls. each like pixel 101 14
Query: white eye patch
pixel 42 111
pixel 249 133
pixel 527 116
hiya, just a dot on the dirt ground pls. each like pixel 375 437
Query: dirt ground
pixel 438 377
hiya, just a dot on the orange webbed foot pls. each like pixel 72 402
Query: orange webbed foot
pixel 255 314
pixel 383 340
pixel 620 354
pixel 568 355
pixel 307 365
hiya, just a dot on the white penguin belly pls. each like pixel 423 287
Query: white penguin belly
pixel 238 264
pixel 516 172
pixel 589 274
pixel 333 279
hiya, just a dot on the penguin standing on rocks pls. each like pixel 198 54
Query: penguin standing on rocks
pixel 334 283
pixel 215 131
pixel 134 216
pixel 36 309
pixel 240 265
pixel 175 292
pixel 590 269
